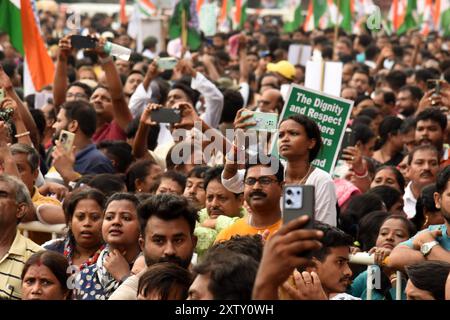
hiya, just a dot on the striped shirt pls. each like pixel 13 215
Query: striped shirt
pixel 11 266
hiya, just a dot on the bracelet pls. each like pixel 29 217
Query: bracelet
pixel 105 60
pixel 23 134
pixel 361 176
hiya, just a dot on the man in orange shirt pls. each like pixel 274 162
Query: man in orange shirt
pixel 263 189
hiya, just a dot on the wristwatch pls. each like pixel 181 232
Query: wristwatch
pixel 427 246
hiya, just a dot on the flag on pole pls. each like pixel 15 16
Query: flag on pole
pixel 442 19
pixel 397 14
pixel 411 19
pixel 199 5
pixel 17 16
pixel 346 8
pixel 294 19
pixel 240 15
pixel 123 14
pixel 315 18
pixel 182 23
pixel 146 7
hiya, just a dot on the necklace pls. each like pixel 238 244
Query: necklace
pixel 302 180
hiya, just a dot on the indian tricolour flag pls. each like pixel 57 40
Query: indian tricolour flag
pixel 442 16
pixel 18 19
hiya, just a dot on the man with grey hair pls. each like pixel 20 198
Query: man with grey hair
pixel 15 249
pixel 48 210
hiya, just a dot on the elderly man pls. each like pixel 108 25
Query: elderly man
pixel 15 249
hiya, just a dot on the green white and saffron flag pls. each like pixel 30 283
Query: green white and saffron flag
pixel 18 18
pixel 181 24
pixel 316 17
pixel 411 18
pixel 294 19
pixel 240 14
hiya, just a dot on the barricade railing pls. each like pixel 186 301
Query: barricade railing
pixel 36 226
pixel 364 258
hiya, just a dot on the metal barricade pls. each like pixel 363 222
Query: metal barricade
pixel 54 229
pixel 364 258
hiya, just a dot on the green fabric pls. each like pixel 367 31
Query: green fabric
pixel 243 14
pixel 11 23
pixel 207 236
pixel 176 21
pixel 319 9
pixel 410 21
pixel 291 26
pixel 445 22
pixel 346 12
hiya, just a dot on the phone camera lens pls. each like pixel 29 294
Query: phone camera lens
pixel 289 202
pixel 289 192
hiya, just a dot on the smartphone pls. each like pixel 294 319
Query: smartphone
pixel 434 84
pixel 66 139
pixel 83 42
pixel 347 141
pixel 298 200
pixel 168 63
pixel 265 121
pixel 166 115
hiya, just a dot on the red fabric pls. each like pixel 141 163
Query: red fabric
pixel 109 131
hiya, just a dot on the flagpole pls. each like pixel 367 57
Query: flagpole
pixel 336 29
pixel 183 28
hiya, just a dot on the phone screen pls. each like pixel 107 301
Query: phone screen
pixel 166 115
pixel 83 42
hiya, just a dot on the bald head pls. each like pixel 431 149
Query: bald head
pixel 271 101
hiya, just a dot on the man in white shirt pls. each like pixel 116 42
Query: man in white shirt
pixel 423 165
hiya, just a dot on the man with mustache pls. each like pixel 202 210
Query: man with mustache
pixel 430 129
pixel 432 243
pixel 423 165
pixel 167 224
pixel 223 208
pixel 262 192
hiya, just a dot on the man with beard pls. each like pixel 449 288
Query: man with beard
pixel 195 187
pixel 262 192
pixel 167 224
pixel 432 243
pixel 223 208
pixel 423 165
pixel 430 129
pixel 408 100
pixel 79 118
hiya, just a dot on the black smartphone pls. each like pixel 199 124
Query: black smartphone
pixel 298 200
pixel 166 115
pixel 83 42
pixel 347 141
pixel 434 84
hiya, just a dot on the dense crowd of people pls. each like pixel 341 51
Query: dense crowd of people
pixel 154 212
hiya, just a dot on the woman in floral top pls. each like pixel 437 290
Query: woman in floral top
pixel 84 215
pixel 120 231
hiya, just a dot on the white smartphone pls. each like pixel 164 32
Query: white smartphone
pixel 66 139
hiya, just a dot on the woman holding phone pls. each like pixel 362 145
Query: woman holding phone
pixel 299 142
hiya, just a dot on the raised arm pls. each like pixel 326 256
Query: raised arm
pixel 141 97
pixel 60 82
pixel 25 114
pixel 140 141
pixel 122 114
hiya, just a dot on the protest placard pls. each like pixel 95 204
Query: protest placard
pixel 329 112
pixel 324 76
pixel 299 54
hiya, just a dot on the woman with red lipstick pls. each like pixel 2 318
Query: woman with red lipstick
pixel 120 231
pixel 394 230
pixel 84 215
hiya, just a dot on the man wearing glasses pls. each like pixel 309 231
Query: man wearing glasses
pixel 262 192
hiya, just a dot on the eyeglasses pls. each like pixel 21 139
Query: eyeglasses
pixel 264 181
pixel 76 95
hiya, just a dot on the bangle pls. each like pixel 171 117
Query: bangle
pixel 105 60
pixel 361 176
pixel 23 134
